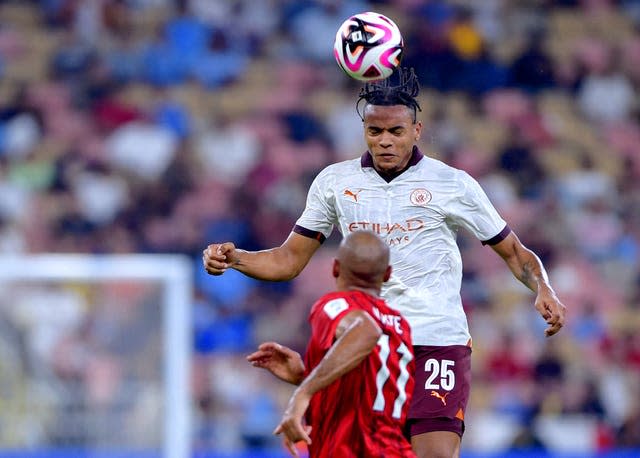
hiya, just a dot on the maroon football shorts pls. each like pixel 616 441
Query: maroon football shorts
pixel 443 382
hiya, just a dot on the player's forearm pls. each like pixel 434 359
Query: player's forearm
pixel 271 265
pixel 346 353
pixel 528 268
pixel 277 264
pixel 523 263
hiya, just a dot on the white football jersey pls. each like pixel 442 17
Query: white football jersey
pixel 418 213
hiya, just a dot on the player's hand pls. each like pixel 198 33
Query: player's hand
pixel 218 257
pixel 281 361
pixel 291 424
pixel 551 309
pixel 291 446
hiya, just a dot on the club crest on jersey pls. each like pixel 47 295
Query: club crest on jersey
pixel 420 197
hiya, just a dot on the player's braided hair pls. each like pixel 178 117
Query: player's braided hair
pixel 385 93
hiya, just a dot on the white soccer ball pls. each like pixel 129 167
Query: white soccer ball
pixel 368 46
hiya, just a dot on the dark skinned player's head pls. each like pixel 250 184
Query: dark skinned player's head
pixel 389 115
pixel 362 261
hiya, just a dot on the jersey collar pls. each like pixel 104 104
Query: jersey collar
pixel 416 156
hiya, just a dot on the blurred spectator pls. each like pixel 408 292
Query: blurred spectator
pixel 606 94
pixel 629 433
pixel 466 41
pixel 322 17
pixel 549 368
pixel 504 364
pixel 532 70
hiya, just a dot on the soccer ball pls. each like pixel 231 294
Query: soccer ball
pixel 368 46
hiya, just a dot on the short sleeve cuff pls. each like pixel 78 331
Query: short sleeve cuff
pixel 498 238
pixel 319 236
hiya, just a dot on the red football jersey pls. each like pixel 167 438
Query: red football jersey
pixel 362 414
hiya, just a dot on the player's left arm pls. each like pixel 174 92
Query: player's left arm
pixel 356 336
pixel 528 268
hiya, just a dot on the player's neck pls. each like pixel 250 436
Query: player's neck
pixel 388 176
pixel 370 291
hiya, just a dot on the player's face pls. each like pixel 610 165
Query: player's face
pixel 390 134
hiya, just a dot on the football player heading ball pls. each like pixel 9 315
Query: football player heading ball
pixel 417 205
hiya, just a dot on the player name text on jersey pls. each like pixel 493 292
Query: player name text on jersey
pixel 391 321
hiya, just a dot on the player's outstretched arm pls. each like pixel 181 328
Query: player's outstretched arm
pixel 357 335
pixel 281 361
pixel 528 268
pixel 276 264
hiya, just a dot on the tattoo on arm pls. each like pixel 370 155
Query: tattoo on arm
pixel 532 271
pixel 527 276
pixel 525 265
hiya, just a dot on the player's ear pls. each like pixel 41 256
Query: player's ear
pixel 336 268
pixel 387 273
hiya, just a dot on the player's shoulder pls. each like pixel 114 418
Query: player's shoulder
pixel 381 306
pixel 454 179
pixel 331 304
pixel 334 303
pixel 441 170
pixel 339 168
pixel 333 176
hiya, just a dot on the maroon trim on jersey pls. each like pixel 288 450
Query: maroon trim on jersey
pixel 498 238
pixel 416 155
pixel 319 236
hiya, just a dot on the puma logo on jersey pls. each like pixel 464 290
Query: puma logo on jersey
pixel 353 195
pixel 442 397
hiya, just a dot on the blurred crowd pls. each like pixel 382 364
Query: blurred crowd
pixel 160 126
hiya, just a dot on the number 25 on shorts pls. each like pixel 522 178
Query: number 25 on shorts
pixel 442 375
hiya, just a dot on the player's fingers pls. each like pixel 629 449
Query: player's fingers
pixel 542 310
pixel 305 436
pixel 286 352
pixel 553 329
pixel 217 262
pixel 557 311
pixel 258 355
pixel 275 349
pixel 269 346
pixel 291 447
pixel 255 358
pixel 224 248
pixel 296 431
pixel 214 266
pixel 213 252
pixel 553 318
pixel 257 362
pixel 290 430
pixel 215 270
pixel 278 430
